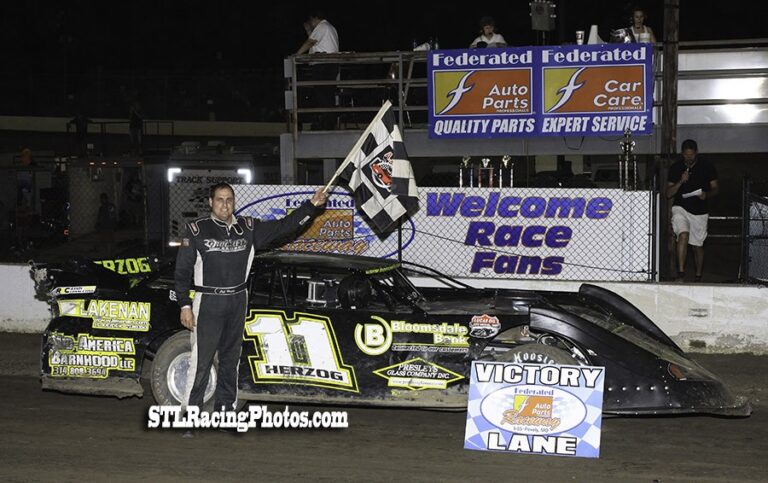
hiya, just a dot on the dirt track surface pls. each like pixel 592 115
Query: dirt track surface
pixel 49 436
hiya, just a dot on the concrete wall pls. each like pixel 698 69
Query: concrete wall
pixel 700 318
pixel 19 310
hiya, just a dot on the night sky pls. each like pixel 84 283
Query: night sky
pixel 187 36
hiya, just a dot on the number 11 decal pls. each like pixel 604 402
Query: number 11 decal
pixel 302 350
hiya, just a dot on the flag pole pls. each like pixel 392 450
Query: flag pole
pixel 358 144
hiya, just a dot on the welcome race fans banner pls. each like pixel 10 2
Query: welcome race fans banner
pixel 512 233
pixel 575 90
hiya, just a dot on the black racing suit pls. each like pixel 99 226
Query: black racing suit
pixel 219 257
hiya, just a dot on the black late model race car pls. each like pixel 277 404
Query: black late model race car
pixel 352 330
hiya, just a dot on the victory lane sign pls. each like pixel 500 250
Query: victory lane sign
pixel 539 409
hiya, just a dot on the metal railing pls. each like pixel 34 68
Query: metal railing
pixel 99 137
pixel 366 78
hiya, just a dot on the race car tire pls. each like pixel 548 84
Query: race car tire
pixel 537 354
pixel 167 359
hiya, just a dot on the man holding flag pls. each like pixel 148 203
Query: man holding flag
pixel 379 174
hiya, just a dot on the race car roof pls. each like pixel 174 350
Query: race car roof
pixel 326 260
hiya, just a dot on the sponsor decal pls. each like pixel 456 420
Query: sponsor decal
pixel 340 228
pixel 388 268
pixel 520 408
pixel 109 314
pixel 417 374
pixel 377 336
pixel 484 326
pixel 126 266
pixel 524 357
pixel 73 290
pixel 332 230
pixel 482 92
pixel 89 356
pixel 374 338
pixel 302 350
pixel 230 245
pixel 382 170
pixel 594 89
pixel 172 295
pixel 207 180
pixel 531 411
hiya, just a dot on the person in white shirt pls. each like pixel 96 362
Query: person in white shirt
pixel 642 32
pixel 322 39
pixel 488 37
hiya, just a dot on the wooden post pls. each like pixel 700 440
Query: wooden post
pixel 668 133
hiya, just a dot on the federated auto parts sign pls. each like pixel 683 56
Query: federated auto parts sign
pixel 575 90
pixel 553 234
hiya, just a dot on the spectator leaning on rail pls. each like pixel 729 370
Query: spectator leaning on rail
pixel 691 182
pixel 218 250
pixel 488 36
pixel 322 39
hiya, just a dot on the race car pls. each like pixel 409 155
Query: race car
pixel 325 328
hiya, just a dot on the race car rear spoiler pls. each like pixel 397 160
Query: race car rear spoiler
pixel 626 312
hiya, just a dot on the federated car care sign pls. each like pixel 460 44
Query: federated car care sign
pixel 554 234
pixel 535 409
pixel 576 90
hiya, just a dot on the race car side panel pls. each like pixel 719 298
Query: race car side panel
pixel 97 343
pixel 355 356
pixel 637 381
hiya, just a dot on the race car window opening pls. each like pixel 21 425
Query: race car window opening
pixel 400 288
pixel 386 293
pixel 261 290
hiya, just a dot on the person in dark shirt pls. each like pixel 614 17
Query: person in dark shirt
pixel 691 182
pixel 106 223
pixel 80 122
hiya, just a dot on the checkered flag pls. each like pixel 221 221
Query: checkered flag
pixel 379 174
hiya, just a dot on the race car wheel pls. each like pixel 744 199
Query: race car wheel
pixel 537 354
pixel 170 369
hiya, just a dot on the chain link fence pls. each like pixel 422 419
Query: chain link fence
pixel 54 210
pixel 521 233
pixel 755 236
pixel 509 233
